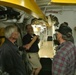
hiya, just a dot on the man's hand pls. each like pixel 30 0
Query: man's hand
pixel 35 37
pixel 27 46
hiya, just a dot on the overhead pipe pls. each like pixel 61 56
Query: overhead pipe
pixel 64 1
pixel 29 6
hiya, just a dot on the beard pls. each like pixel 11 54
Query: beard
pixel 56 42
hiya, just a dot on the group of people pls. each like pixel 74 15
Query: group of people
pixel 11 61
pixel 10 58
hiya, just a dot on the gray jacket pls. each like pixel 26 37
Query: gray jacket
pixel 11 59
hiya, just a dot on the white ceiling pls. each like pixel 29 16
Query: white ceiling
pixel 46 5
pixel 42 2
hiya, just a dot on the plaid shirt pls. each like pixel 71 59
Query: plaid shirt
pixel 64 60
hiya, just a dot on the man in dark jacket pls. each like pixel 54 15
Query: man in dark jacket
pixel 11 60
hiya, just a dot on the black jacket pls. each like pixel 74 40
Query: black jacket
pixel 11 59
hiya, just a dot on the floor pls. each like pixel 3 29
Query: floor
pixel 46 49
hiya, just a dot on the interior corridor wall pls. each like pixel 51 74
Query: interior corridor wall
pixel 67 16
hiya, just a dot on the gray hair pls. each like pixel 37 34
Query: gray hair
pixel 65 37
pixel 9 30
pixel 70 38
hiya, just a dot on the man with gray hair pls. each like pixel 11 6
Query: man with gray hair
pixel 11 60
pixel 65 24
pixel 65 59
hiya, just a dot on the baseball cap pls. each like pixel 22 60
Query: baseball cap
pixel 65 24
pixel 64 31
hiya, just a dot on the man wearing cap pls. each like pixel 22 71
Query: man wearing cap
pixel 65 24
pixel 64 60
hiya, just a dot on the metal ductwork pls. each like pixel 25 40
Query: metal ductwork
pixel 29 6
pixel 8 13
